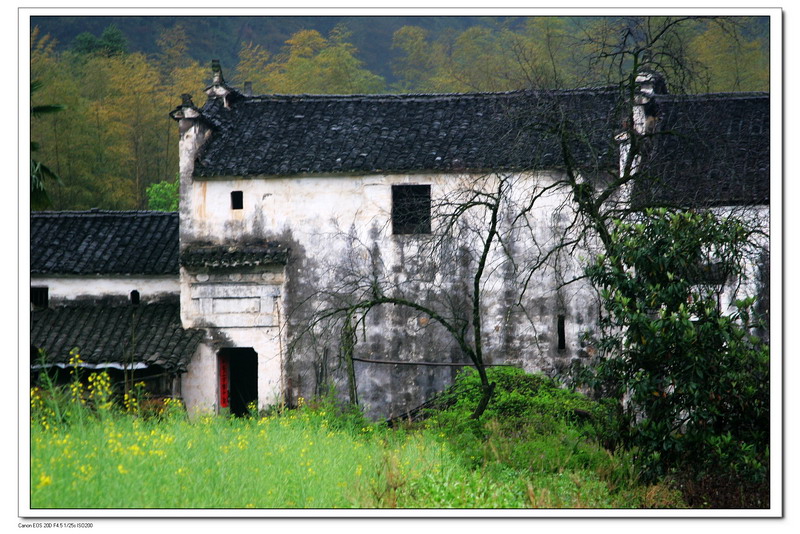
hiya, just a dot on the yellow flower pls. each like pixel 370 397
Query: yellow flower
pixel 44 480
pixel 122 470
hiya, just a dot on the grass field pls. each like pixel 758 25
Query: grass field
pixel 317 457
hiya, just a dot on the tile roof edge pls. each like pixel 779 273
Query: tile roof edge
pixel 98 212
pixel 714 96
pixel 421 96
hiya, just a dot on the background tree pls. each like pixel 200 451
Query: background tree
pixel 112 42
pixel 731 61
pixel 163 196
pixel 41 173
pixel 102 166
pixel 310 63
pixel 253 66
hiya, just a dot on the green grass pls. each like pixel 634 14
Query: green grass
pixel 294 460
pixel 319 457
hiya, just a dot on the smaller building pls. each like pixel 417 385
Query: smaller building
pixel 104 285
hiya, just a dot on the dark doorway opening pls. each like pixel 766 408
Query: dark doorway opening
pixel 238 379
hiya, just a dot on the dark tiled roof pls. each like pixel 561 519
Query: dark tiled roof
pixel 715 149
pixel 288 135
pixel 104 242
pixel 709 150
pixel 243 255
pixel 105 334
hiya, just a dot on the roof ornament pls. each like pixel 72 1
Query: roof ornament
pixel 649 84
pixel 216 69
pixel 218 87
pixel 186 110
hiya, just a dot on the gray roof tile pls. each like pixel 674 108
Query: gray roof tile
pixel 709 150
pixel 104 242
pixel 109 333
pixel 210 257
pixel 302 134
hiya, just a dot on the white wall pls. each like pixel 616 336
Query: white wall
pixel 67 288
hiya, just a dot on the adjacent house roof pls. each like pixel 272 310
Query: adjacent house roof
pixel 708 150
pixel 104 242
pixel 147 334
pixel 303 134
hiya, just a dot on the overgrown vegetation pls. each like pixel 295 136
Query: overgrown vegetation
pixel 689 377
pixel 534 447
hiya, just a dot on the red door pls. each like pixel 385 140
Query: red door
pixel 224 381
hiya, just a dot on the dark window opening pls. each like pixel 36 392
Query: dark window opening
pixel 134 297
pixel 411 209
pixel 238 379
pixel 562 341
pixel 237 200
pixel 39 297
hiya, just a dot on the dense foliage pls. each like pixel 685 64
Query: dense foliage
pixel 163 196
pixel 690 377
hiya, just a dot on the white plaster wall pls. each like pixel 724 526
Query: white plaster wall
pixel 199 383
pixel 72 287
pixel 313 208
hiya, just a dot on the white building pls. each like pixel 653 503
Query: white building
pixel 293 205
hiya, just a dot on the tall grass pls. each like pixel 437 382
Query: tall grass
pixel 86 453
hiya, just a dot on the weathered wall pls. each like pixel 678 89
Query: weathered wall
pixel 70 288
pixel 237 309
pixel 339 227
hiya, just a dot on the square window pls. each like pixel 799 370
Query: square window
pixel 237 200
pixel 39 297
pixel 411 209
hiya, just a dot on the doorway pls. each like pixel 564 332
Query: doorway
pixel 238 379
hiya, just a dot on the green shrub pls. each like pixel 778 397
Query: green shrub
pixel 690 379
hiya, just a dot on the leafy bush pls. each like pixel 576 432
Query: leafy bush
pixel 537 431
pixel 163 196
pixel 691 380
pixel 517 394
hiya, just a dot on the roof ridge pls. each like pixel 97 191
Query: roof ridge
pixel 99 212
pixel 716 96
pixel 422 96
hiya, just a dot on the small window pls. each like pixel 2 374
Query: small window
pixel 562 338
pixel 135 297
pixel 237 200
pixel 411 209
pixel 39 297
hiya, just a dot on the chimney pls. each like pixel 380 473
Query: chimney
pixel 217 72
pixel 193 133
pixel 248 88
pixel 649 85
pixel 185 113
